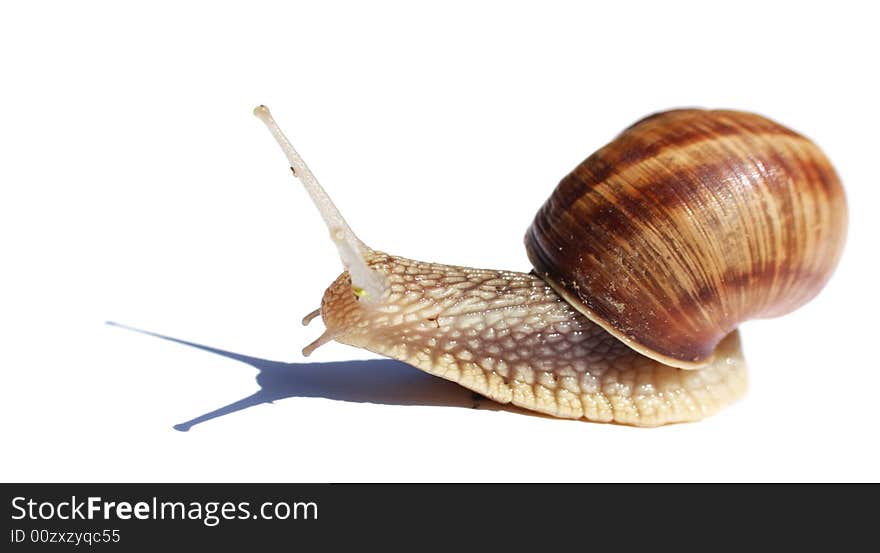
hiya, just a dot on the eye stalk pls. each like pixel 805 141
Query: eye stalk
pixel 369 285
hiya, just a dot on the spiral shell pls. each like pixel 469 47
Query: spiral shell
pixel 689 223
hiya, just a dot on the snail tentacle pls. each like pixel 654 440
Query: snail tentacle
pixel 367 283
pixel 311 316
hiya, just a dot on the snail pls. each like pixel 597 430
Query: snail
pixel 647 257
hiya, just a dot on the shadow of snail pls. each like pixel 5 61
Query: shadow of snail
pixel 377 381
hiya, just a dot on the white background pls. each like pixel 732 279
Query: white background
pixel 138 188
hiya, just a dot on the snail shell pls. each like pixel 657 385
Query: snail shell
pixel 687 224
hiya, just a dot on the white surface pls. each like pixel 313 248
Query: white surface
pixel 138 188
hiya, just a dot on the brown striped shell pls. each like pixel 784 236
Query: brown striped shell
pixel 689 223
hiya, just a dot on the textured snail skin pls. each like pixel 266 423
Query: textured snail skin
pixel 511 338
pixel 689 223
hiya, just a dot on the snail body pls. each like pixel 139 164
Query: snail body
pixel 511 338
pixel 567 340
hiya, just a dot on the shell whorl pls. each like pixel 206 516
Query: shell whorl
pixel 689 223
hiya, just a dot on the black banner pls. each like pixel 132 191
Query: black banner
pixel 125 517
